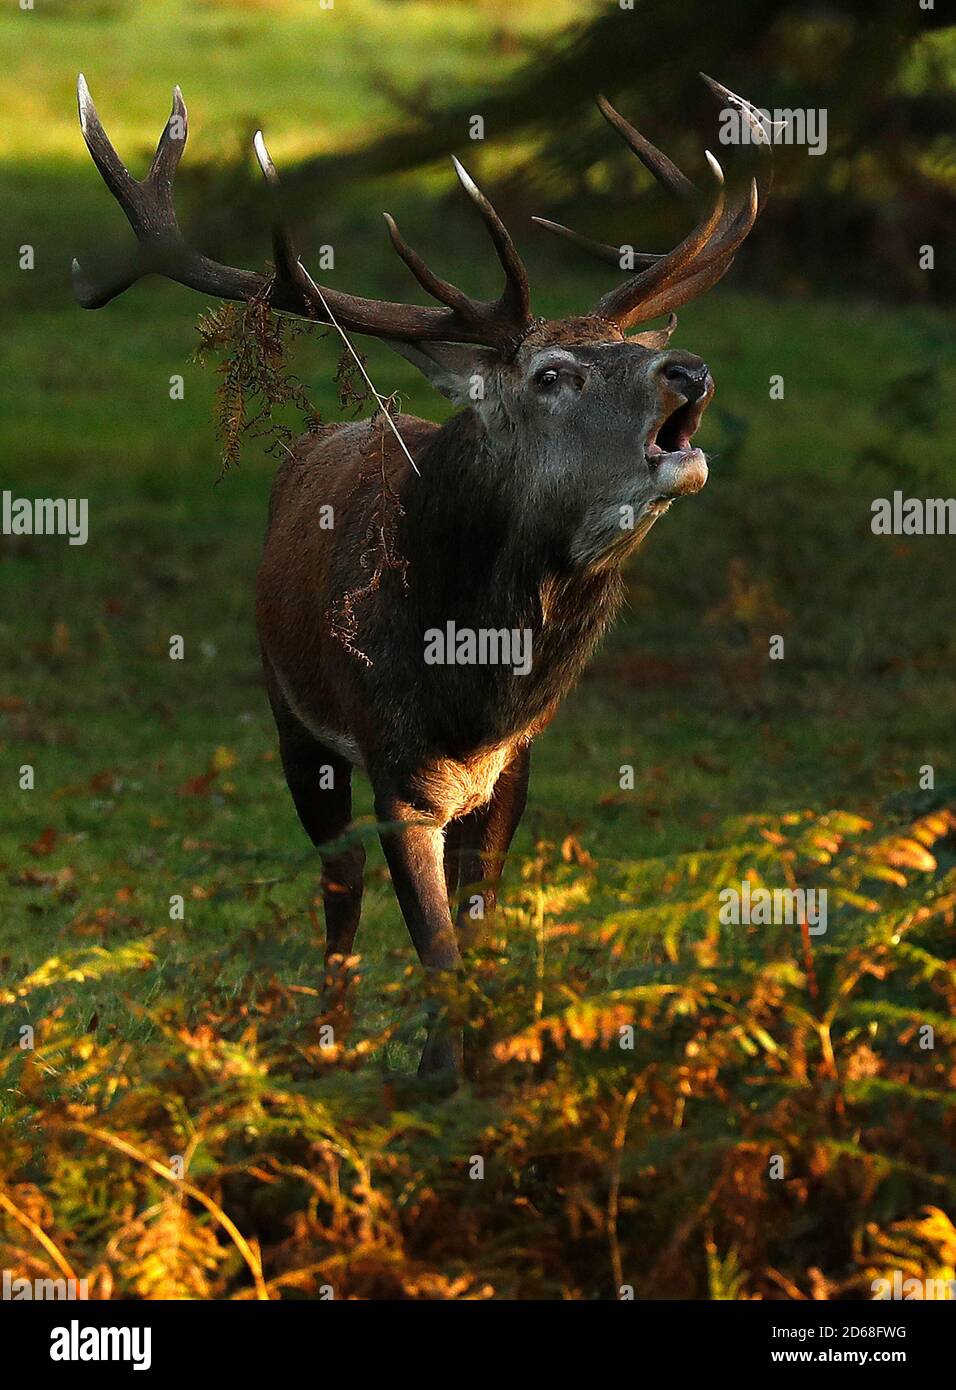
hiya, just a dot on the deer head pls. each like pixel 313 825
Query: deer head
pixel 590 406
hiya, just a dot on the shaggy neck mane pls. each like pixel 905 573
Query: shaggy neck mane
pixel 485 559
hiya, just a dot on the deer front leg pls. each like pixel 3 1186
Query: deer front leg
pixel 483 840
pixel 414 847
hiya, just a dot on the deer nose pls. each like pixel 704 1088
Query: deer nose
pixel 689 376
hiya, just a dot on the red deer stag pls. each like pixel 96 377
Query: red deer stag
pixel 511 524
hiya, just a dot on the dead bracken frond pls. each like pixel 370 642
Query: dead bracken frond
pixel 661 1100
pixel 380 553
pixel 252 343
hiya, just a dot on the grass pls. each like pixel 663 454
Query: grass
pixel 279 62
pixel 157 778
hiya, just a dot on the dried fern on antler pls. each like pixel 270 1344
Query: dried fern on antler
pixel 253 344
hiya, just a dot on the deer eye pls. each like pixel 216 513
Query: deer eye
pixel 549 377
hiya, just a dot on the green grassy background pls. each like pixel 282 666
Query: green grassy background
pixel 779 541
pixel 682 690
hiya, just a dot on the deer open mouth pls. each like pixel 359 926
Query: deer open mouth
pixel 673 434
pixel 676 467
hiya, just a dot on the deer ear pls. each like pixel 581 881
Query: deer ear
pixel 458 370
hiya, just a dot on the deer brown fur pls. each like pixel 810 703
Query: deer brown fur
pixel 511 521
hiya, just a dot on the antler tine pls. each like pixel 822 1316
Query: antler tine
pixel 115 174
pixel 288 265
pixel 512 309
pixel 758 133
pixel 169 151
pixel 93 291
pixel 148 206
pixel 622 305
pixel 291 272
pixel 656 338
pixel 663 287
pixel 734 228
pixel 611 255
pixel 701 274
pixel 442 290
pixel 654 160
pixel 514 305
pixel 702 257
pixel 671 297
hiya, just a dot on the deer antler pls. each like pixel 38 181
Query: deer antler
pixel 162 250
pixel 702 258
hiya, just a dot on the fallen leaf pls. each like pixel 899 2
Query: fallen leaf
pixel 45 844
